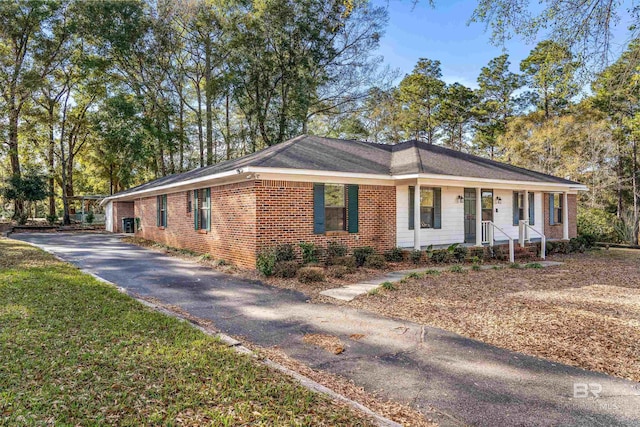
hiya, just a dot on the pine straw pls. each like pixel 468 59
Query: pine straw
pixel 585 313
pixel 330 343
pixel 397 412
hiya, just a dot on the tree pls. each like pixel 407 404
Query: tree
pixel 421 94
pixel 496 102
pixel 456 115
pixel 28 50
pixel 28 187
pixel 549 70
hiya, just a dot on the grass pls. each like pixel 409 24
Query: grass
pixel 76 351
pixel 388 286
pixel 583 313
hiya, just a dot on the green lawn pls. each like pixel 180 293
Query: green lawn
pixel 76 351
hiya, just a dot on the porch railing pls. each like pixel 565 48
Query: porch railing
pixel 523 237
pixel 488 236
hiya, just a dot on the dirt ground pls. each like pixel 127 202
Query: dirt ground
pixel 584 313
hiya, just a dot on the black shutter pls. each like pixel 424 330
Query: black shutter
pixel 437 210
pixel 158 202
pixel 318 209
pixel 412 193
pixel 532 209
pixel 352 208
pixel 196 209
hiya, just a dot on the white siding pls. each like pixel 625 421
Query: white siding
pixel 108 217
pixel 452 230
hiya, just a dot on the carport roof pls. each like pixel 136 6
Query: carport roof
pixel 308 152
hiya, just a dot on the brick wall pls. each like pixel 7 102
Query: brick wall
pixel 121 210
pixel 555 231
pixel 232 235
pixel 285 215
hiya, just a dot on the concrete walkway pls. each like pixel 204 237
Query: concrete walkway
pixel 349 292
pixel 467 382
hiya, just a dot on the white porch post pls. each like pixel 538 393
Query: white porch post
pixel 416 216
pixel 478 217
pixel 565 216
pixel 526 215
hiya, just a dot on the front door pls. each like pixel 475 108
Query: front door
pixel 469 215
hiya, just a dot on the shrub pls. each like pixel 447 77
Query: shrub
pixel 460 253
pixel 414 275
pixel 285 253
pixel 476 260
pixel 456 269
pixel 286 269
pixel 475 267
pixel 598 223
pixel 51 219
pixel 361 254
pixel 514 265
pixel 432 272
pixel 394 255
pixel 310 275
pixel 440 256
pixel 388 286
pixel 533 265
pixel 22 219
pixel 375 261
pixel 338 271
pixel 416 256
pixel 266 262
pixel 346 261
pixel 90 218
pixel 576 245
pixel 336 250
pixel 310 252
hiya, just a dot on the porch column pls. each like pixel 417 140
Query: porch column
pixel 526 215
pixel 478 216
pixel 565 216
pixel 416 216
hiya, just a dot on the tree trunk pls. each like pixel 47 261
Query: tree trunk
pixel 228 128
pixel 52 142
pixel 635 191
pixel 200 133
pixel 208 95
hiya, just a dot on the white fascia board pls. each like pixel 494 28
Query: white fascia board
pixel 160 189
pixel 471 181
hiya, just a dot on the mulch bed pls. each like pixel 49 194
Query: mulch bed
pixel 585 313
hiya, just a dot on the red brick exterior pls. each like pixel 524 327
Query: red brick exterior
pixel 251 216
pixel 121 210
pixel 555 231
pixel 233 229
pixel 285 215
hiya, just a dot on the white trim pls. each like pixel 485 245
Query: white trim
pixel 319 175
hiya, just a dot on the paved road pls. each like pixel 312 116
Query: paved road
pixel 467 382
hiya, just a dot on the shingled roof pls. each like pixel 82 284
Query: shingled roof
pixel 307 152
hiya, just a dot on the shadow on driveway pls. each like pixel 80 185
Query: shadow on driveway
pixel 471 382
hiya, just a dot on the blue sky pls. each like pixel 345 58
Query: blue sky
pixel 442 33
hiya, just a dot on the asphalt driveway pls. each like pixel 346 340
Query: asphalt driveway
pixel 465 381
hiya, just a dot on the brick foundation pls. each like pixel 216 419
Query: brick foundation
pixel 555 231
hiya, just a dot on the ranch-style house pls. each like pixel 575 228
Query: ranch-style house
pixel 314 189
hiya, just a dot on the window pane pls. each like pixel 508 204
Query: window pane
pixel 334 195
pixel 426 217
pixel 426 197
pixel 487 200
pixel 334 219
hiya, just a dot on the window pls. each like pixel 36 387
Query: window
pixel 518 208
pixel 189 207
pixel 335 207
pixel 556 208
pixel 487 205
pixel 161 211
pixel 426 207
pixel 202 209
pixel 429 207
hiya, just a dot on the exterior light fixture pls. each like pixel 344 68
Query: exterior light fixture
pixel 460 199
pixel 498 200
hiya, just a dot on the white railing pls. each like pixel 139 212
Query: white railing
pixel 488 236
pixel 523 237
